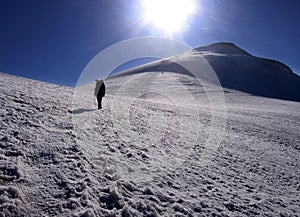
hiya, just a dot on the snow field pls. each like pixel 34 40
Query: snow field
pixel 61 157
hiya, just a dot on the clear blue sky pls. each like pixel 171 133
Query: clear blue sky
pixel 53 40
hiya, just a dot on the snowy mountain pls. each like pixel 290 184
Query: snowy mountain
pixel 237 69
pixel 164 144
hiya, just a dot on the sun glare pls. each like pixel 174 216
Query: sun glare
pixel 168 15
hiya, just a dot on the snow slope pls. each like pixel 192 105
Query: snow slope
pixel 156 149
pixel 43 171
pixel 237 69
pixel 163 150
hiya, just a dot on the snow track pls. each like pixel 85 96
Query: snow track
pixel 43 171
pixel 58 160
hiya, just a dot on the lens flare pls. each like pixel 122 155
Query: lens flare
pixel 168 15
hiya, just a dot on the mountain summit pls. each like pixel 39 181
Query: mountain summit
pixel 236 69
pixel 224 48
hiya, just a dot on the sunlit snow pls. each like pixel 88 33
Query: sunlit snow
pixel 146 153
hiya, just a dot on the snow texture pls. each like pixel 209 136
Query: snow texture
pixel 151 150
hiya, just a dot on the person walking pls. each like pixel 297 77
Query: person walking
pixel 99 92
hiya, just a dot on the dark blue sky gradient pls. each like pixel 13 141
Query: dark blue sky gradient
pixel 53 40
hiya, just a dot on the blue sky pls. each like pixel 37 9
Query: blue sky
pixel 53 40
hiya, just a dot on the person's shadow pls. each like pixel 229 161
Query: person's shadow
pixel 82 110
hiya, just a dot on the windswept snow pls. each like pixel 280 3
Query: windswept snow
pixel 62 160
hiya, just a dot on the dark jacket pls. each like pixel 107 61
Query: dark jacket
pixel 100 88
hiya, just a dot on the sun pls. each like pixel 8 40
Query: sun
pixel 168 15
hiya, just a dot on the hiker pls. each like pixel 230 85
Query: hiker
pixel 99 92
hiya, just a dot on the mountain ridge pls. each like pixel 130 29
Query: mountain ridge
pixel 231 48
pixel 236 69
pixel 223 47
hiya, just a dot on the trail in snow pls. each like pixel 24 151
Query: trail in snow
pixel 259 149
pixel 153 165
pixel 43 171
